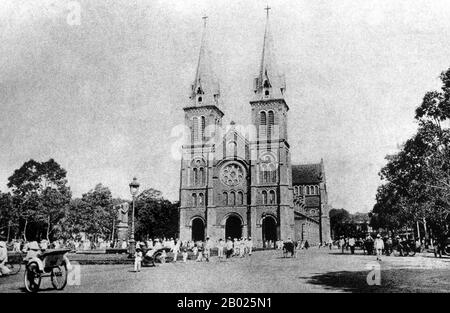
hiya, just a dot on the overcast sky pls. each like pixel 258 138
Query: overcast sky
pixel 102 97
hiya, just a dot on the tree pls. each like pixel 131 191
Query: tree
pixel 339 219
pixel 7 216
pixel 97 212
pixel 40 195
pixel 416 180
pixel 155 216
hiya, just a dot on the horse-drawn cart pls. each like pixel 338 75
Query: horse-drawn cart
pixel 51 263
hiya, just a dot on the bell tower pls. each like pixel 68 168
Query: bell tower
pixel 203 118
pixel 271 162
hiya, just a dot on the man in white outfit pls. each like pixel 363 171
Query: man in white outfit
pixel 379 246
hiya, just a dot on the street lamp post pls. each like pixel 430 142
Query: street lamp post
pixel 134 188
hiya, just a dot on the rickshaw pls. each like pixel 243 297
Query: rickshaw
pixel 50 263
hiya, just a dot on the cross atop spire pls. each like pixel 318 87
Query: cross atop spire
pixel 267 8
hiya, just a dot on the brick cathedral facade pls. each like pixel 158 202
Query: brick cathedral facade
pixel 240 183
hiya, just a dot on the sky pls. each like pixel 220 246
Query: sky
pixel 103 96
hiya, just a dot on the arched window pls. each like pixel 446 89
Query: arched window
pixel 195 129
pixel 232 198
pixel 202 130
pixel 201 174
pixel 296 190
pixel 225 198
pixel 272 197
pixel 307 190
pixel 262 123
pixel 264 197
pixel 194 199
pixel 271 122
pixel 195 176
pixel 240 198
pixel 200 99
pixel 316 190
pixel 200 199
pixel 272 173
pixel 262 118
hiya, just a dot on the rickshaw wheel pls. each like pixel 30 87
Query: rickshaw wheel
pixel 32 277
pixel 447 250
pixel 156 257
pixel 59 277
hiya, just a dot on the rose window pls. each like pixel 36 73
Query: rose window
pixel 232 175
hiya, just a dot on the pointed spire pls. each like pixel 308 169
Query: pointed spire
pixel 205 88
pixel 269 83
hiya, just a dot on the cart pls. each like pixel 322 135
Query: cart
pixel 51 263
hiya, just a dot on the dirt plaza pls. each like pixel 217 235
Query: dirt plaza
pixel 314 270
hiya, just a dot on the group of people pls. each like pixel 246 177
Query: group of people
pixel 380 245
pixel 195 250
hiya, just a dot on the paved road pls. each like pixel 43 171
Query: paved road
pixel 314 270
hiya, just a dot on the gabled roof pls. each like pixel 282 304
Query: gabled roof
pixel 307 174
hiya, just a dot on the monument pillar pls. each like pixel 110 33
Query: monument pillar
pixel 122 225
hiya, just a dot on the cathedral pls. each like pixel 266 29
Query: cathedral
pixel 239 181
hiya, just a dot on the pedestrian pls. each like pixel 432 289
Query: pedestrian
pixel 207 250
pixel 176 250
pixel 388 246
pixel 200 253
pixel 195 250
pixel 249 246
pixel 220 247
pixel 306 244
pixel 185 253
pixel 229 246
pixel 342 244
pixel 163 256
pixel 242 247
pixel 137 259
pixel 235 247
pixel 379 246
pixel 351 244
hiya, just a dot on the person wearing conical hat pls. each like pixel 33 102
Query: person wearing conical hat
pixel 32 250
pixel 137 259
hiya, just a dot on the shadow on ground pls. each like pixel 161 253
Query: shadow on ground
pixel 392 281
pixel 345 281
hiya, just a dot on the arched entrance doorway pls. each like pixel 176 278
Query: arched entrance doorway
pixel 269 229
pixel 233 227
pixel 198 229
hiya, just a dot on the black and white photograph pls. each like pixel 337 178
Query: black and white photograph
pixel 239 148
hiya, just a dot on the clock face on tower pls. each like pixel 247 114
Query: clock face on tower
pixel 232 174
